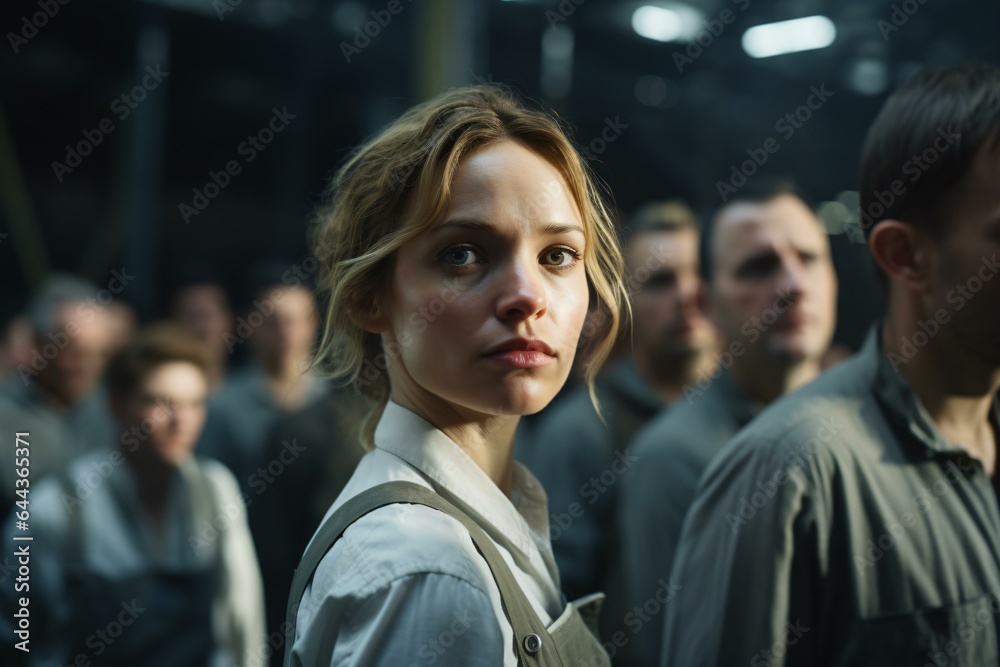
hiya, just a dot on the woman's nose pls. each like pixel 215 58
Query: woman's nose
pixel 522 290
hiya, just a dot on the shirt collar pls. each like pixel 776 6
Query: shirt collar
pixel 521 521
pixel 901 402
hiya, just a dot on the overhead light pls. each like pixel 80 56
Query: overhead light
pixel 659 23
pixel 775 39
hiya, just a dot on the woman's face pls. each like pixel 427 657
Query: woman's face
pixel 504 266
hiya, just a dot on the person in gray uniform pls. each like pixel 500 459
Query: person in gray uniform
pixel 771 289
pixel 855 521
pixel 57 396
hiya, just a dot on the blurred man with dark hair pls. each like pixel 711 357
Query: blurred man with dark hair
pixel 772 294
pixel 279 324
pixel 141 554
pixel 576 456
pixel 855 522
pixel 55 395
pixel 199 304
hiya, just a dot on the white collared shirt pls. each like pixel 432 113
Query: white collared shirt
pixel 405 585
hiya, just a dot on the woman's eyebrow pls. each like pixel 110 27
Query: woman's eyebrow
pixel 551 229
pixel 554 229
pixel 465 224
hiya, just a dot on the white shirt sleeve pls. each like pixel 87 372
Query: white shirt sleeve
pixel 239 611
pixel 426 618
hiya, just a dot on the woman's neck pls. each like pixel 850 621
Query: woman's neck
pixel 488 439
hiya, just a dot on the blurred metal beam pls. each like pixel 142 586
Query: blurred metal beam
pixel 25 235
pixel 451 45
pixel 146 132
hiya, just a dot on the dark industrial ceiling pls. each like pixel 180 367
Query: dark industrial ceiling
pixel 232 63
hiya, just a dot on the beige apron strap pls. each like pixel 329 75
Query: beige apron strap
pixel 532 642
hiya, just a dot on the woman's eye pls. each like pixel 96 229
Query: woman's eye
pixel 458 256
pixel 562 257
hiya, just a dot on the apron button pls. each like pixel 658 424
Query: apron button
pixel 532 643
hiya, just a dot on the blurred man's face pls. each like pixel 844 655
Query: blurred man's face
pixel 74 371
pixel 289 331
pixel 966 260
pixel 774 288
pixel 203 312
pixel 169 407
pixel 121 321
pixel 669 325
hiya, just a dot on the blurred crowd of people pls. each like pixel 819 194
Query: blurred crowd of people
pixel 120 496
pixel 163 478
pixel 166 483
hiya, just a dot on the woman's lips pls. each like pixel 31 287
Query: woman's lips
pixel 521 358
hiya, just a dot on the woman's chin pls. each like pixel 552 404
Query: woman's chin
pixel 522 400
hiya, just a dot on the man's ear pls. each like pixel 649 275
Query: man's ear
pixel 902 252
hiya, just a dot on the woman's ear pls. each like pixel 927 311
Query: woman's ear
pixel 903 253
pixel 371 316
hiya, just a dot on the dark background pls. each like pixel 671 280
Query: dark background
pixel 230 64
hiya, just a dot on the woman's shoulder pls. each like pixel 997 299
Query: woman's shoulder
pixel 397 540
pixel 399 575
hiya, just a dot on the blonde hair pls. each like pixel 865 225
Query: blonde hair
pixel 397 185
